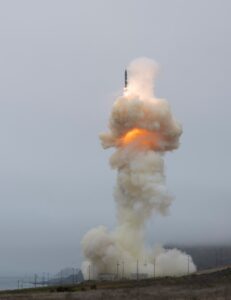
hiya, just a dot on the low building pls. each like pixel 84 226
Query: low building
pixel 139 276
pixel 107 276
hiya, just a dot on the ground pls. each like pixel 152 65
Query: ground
pixel 211 285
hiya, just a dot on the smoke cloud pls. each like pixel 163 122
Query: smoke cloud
pixel 141 129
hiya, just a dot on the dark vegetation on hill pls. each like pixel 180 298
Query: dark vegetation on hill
pixel 206 257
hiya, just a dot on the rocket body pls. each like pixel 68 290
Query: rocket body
pixel 125 79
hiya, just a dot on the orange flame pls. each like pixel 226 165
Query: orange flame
pixel 141 138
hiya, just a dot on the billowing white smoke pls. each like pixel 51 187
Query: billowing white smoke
pixel 142 128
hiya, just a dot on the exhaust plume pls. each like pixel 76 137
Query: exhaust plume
pixel 141 129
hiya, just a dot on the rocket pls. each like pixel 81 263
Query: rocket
pixel 125 79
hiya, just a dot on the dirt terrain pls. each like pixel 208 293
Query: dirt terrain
pixel 208 285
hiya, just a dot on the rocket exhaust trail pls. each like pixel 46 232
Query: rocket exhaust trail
pixel 141 129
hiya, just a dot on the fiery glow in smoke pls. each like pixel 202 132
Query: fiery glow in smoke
pixel 141 129
pixel 140 138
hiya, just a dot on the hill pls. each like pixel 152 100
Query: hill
pixel 210 284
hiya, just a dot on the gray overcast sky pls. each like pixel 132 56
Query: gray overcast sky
pixel 61 65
